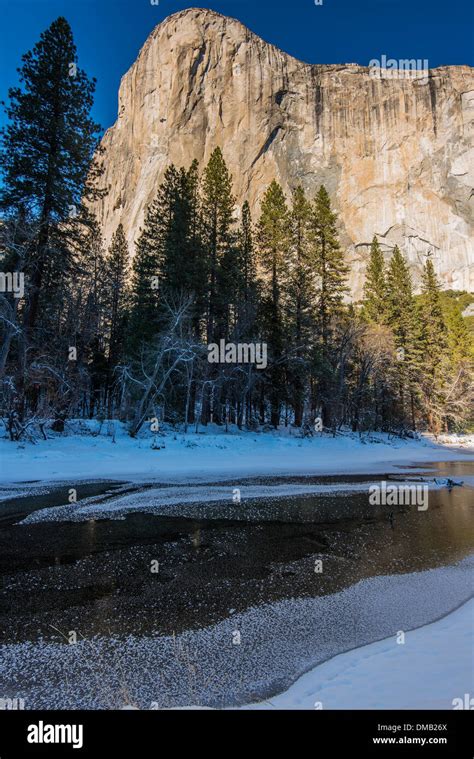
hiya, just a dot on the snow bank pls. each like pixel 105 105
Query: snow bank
pixel 432 668
pixel 212 454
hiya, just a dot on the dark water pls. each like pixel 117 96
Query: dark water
pixel 14 509
pixel 454 469
pixel 95 576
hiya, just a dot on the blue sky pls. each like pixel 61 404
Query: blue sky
pixel 109 33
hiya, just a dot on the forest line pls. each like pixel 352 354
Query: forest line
pixel 100 333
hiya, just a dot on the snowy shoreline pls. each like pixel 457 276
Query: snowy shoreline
pixel 389 674
pixel 281 643
pixel 215 456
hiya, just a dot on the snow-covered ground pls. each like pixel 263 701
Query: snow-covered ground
pixel 433 663
pixel 277 642
pixel 213 454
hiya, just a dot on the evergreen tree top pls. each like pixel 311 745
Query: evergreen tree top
pixel 50 140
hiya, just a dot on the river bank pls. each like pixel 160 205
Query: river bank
pixel 87 452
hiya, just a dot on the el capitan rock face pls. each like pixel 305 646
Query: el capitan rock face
pixel 396 155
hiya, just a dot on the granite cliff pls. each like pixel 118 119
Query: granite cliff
pixel 396 154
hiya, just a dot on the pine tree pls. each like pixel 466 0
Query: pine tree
pixel 144 297
pixel 432 311
pixel 47 150
pixel 403 319
pixel 457 369
pixel 151 265
pixel 375 312
pixel 219 240
pixel 331 271
pixel 459 341
pixel 175 233
pixel 246 254
pixel 248 286
pixel 85 321
pixel 400 297
pixel 300 300
pixel 273 243
pixel 434 343
pixel 177 240
pixel 330 266
pixel 197 274
pixel 117 273
pixel 375 288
